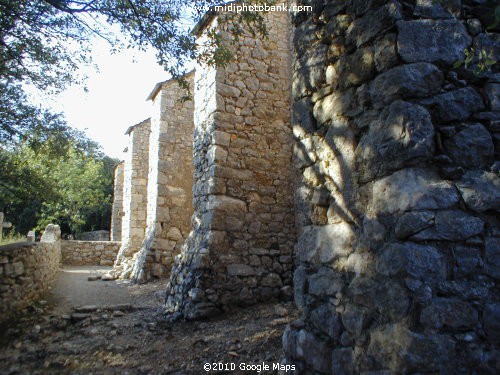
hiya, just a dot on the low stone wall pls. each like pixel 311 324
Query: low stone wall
pixel 83 253
pixel 27 270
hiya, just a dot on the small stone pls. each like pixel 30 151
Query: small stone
pixel 76 317
pixel 109 277
pixel 86 309
pixel 413 222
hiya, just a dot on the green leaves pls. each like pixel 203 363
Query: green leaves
pixel 482 60
pixel 70 186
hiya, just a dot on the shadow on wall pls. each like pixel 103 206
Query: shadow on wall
pixel 396 205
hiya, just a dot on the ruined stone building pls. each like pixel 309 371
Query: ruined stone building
pixel 343 160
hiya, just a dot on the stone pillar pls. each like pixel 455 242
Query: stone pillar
pixel 117 209
pixel 240 248
pixel 397 205
pixel 170 181
pixel 135 181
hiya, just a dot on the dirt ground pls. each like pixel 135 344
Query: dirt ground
pixel 120 329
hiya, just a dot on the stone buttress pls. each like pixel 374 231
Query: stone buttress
pixel 117 209
pixel 135 181
pixel 240 248
pixel 170 181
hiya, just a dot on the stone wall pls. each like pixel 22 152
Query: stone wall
pixel 397 205
pixel 170 181
pixel 96 235
pixel 95 253
pixel 240 248
pixel 27 271
pixel 135 182
pixel 117 212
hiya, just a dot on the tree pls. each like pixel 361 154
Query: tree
pixel 70 185
pixel 43 42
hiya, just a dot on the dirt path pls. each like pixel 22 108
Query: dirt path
pixel 132 337
pixel 72 288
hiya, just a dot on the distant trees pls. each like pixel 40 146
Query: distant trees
pixel 68 184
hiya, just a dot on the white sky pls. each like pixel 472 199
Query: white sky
pixel 116 97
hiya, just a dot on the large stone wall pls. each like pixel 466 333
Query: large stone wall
pixel 95 253
pixel 170 181
pixel 117 212
pixel 135 182
pixel 27 271
pixel 397 205
pixel 240 248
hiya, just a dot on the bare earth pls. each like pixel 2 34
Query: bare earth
pixel 111 327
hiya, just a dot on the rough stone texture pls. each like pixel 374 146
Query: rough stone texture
pixel 170 181
pixel 397 201
pixel 117 209
pixel 27 271
pixel 240 247
pixel 95 253
pixel 135 182
pixel 433 41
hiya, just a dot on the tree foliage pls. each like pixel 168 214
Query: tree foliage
pixel 72 187
pixel 43 42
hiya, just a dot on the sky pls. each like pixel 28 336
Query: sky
pixel 116 97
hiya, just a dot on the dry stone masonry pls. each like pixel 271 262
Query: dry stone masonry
pixel 397 205
pixel 240 248
pixel 170 181
pixel 135 182
pixel 27 270
pixel 95 253
pixel 117 209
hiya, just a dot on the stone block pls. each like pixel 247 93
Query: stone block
pixel 405 81
pixel 324 244
pixel 398 349
pixel 411 189
pixel 325 282
pixel 411 260
pixel 373 23
pixel 455 105
pixel 492 257
pixel 403 133
pixel 472 147
pixel 440 41
pixel 480 190
pixel 451 225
